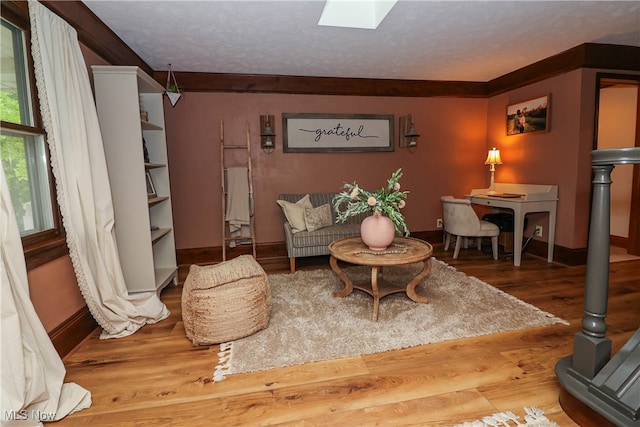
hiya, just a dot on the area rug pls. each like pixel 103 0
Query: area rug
pixel 309 324
pixel 533 417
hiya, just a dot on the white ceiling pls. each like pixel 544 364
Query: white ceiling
pixel 423 40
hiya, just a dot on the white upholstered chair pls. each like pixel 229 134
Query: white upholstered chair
pixel 461 220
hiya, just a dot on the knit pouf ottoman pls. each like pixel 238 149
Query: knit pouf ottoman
pixel 226 301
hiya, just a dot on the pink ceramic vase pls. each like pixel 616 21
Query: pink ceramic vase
pixel 377 232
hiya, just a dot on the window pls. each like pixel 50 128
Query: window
pixel 23 150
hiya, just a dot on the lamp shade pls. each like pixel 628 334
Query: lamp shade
pixel 493 158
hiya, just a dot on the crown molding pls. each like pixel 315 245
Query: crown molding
pixel 92 32
pixel 588 55
pixel 256 83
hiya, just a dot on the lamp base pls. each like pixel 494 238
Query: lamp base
pixel 492 192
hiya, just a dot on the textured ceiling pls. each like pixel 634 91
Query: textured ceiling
pixel 423 40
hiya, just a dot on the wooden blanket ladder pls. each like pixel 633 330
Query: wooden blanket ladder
pixel 228 161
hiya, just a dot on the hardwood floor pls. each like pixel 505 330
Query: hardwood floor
pixel 157 378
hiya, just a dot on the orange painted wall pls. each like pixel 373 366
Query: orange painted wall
pixel 560 156
pixel 455 136
pixel 448 160
pixel 617 129
pixel 54 292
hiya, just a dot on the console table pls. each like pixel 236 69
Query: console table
pixel 522 199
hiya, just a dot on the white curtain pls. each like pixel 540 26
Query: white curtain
pixel 32 372
pixel 79 166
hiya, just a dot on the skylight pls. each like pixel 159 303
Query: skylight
pixel 367 14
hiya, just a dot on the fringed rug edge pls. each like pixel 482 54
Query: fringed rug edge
pixel 534 418
pixel 224 361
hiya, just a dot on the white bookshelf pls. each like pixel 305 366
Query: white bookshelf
pixel 147 255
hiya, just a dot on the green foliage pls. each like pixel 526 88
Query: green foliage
pixel 388 201
pixel 9 107
pixel 14 162
pixel 173 88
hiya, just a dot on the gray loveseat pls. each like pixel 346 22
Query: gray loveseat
pixel 313 243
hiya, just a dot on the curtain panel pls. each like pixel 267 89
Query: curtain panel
pixel 82 182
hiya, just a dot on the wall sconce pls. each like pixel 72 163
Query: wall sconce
pixel 267 135
pixel 493 159
pixel 408 137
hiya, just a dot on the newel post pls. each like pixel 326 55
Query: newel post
pixel 591 349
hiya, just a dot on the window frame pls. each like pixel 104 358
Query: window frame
pixel 44 246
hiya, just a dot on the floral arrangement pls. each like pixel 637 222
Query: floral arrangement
pixel 387 200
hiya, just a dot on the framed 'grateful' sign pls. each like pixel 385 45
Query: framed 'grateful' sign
pixel 321 133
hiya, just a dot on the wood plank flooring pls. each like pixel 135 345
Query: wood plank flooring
pixel 157 378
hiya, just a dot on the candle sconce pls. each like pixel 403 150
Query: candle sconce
pixel 408 137
pixel 267 134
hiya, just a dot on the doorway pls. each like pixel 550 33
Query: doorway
pixel 617 126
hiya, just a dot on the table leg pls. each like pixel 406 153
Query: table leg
pixel 348 284
pixel 375 293
pixel 552 235
pixel 518 228
pixel 411 287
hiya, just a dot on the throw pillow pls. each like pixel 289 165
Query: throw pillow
pixel 318 218
pixel 294 212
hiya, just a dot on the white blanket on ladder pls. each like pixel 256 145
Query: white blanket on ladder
pixel 238 213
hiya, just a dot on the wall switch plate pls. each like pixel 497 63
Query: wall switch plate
pixel 538 230
pixel 439 223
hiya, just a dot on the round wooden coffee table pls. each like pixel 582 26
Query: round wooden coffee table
pixel 404 250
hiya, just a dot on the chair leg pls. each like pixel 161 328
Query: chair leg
pixel 456 251
pixel 447 240
pixel 292 265
pixel 479 239
pixel 494 247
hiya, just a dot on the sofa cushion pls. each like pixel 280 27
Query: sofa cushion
pixel 318 218
pixel 294 212
pixel 325 235
pixel 319 199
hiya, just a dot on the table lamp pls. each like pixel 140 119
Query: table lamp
pixel 493 159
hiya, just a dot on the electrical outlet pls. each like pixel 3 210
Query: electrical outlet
pixel 439 223
pixel 538 230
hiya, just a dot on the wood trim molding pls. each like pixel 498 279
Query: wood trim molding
pixel 566 61
pixel 588 55
pixel 95 34
pixel 618 241
pixel 562 255
pixel 633 247
pixel 213 254
pixel 39 254
pixel 255 83
pixel 277 252
pixel 67 335
pixel 16 11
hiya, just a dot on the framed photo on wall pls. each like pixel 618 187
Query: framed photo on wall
pixel 529 116
pixel 328 133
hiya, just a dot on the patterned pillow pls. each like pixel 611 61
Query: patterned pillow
pixel 294 212
pixel 317 218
